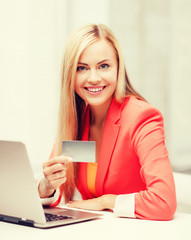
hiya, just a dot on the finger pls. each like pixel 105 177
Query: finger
pixel 76 204
pixel 48 172
pixel 56 183
pixel 58 159
pixel 55 168
pixel 90 204
pixel 57 175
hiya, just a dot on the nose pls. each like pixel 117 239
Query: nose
pixel 93 77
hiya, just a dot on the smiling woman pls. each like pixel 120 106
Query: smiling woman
pixel 98 103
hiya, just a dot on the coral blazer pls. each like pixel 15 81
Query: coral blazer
pixel 133 159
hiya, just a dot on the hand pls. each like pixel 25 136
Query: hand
pixel 97 204
pixel 54 171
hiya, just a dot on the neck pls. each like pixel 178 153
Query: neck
pixel 99 115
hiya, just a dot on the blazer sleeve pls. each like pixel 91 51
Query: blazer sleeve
pixel 158 201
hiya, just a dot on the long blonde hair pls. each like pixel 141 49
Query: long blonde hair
pixel 72 107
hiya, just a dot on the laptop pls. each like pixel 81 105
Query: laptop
pixel 19 199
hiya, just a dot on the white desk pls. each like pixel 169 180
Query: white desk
pixel 107 228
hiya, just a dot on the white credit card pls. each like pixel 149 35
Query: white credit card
pixel 80 151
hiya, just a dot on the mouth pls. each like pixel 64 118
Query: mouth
pixel 95 90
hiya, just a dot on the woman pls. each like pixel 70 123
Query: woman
pixel 132 175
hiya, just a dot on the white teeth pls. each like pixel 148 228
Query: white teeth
pixel 95 89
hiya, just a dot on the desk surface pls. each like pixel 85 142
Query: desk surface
pixel 106 228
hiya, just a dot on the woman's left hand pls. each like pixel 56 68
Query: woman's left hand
pixel 96 204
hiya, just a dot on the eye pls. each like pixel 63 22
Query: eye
pixel 104 66
pixel 81 68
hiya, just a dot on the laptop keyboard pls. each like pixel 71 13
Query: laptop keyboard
pixel 51 217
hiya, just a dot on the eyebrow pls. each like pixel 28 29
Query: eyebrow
pixel 105 60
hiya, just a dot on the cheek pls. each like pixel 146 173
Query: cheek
pixel 113 78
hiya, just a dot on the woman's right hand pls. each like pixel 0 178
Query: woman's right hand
pixel 54 171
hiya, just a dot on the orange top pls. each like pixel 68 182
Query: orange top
pixel 91 176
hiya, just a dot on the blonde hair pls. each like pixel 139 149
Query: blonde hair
pixel 72 107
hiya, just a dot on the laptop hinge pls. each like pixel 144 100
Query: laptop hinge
pixel 21 221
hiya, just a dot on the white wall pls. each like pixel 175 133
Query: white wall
pixel 30 45
pixel 87 11
pixel 180 84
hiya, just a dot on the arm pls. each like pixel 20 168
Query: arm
pixel 158 201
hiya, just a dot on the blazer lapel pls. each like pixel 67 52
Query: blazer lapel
pixel 110 134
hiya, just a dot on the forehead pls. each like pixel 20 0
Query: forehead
pixel 101 49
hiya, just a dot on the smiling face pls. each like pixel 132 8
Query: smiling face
pixel 96 75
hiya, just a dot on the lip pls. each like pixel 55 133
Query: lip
pixel 95 90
